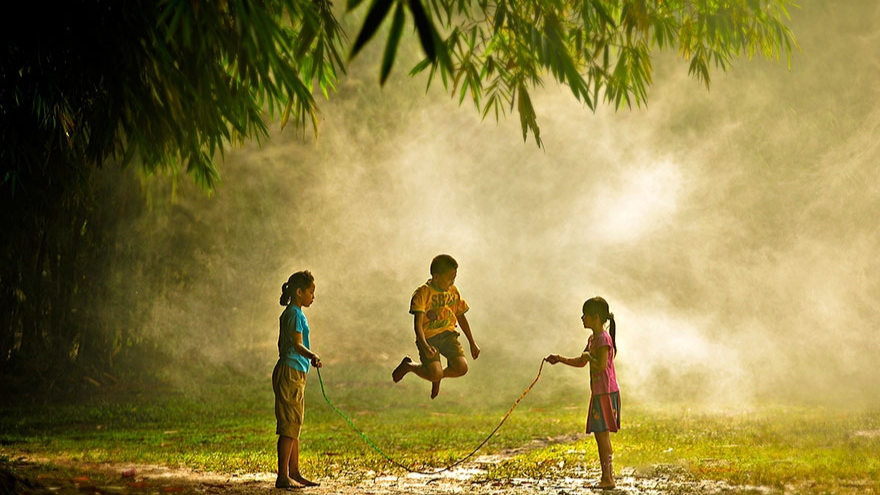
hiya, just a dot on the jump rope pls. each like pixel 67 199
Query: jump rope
pixel 448 467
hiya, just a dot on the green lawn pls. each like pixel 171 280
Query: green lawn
pixel 230 429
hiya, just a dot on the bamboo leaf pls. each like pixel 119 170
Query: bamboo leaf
pixel 393 42
pixel 286 115
pixel 352 4
pixel 603 13
pixel 420 67
pixel 498 22
pixel 425 28
pixel 378 10
pixel 304 40
pixel 129 154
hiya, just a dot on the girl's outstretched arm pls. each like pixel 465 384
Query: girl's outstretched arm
pixel 577 362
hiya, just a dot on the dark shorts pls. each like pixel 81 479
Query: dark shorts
pixel 446 344
pixel 604 413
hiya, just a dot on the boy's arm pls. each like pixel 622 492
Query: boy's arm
pixel 421 341
pixel 466 328
pixel 304 351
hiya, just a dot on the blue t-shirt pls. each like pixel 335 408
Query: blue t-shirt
pixel 293 320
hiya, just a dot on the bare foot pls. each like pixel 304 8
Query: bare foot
pixel 401 369
pixel 304 482
pixel 435 388
pixel 284 482
pixel 603 485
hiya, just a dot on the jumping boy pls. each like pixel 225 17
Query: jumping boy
pixel 437 307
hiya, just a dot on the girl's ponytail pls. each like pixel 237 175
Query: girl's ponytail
pixel 285 296
pixel 612 329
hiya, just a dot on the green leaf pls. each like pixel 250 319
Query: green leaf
pixel 129 154
pixel 420 66
pixel 424 26
pixel 527 116
pixel 393 41
pixel 286 115
pixel 374 19
pixel 304 40
pixel 603 13
pixel 352 4
pixel 498 23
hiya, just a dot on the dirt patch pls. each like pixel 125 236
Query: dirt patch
pixel 24 476
pixel 867 433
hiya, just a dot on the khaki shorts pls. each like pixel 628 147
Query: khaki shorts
pixel 446 344
pixel 289 385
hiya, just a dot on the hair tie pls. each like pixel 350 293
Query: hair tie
pixel 610 315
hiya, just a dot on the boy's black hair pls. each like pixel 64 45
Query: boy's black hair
pixel 442 263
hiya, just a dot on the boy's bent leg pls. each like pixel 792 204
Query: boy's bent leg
pixel 431 371
pixel 449 346
pixel 430 368
pixel 402 369
pixel 458 366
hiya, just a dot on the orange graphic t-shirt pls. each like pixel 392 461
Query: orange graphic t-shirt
pixel 448 305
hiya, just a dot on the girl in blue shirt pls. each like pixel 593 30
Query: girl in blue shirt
pixel 289 376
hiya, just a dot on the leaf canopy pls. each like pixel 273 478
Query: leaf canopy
pixel 172 83
pixel 600 49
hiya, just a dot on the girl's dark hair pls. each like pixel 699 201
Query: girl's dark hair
pixel 597 306
pixel 299 280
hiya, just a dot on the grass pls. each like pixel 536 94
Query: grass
pixel 806 449
pixel 230 429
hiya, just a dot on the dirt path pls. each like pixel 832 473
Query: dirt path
pixel 24 476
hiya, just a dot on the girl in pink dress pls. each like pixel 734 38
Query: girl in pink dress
pixel 603 416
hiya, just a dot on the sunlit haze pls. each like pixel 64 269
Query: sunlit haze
pixel 733 231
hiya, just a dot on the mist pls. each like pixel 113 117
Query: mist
pixel 733 231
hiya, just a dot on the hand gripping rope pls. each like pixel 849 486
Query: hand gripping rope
pixel 450 466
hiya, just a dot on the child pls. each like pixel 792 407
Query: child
pixel 289 376
pixel 603 415
pixel 436 307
